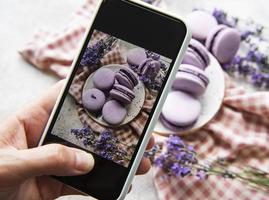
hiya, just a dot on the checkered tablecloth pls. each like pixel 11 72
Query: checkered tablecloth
pixel 240 131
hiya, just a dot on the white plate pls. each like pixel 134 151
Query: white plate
pixel 133 108
pixel 211 100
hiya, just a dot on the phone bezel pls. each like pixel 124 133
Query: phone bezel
pixel 177 57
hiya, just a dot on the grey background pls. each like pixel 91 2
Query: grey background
pixel 21 83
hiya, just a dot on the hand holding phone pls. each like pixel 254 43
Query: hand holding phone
pixel 114 93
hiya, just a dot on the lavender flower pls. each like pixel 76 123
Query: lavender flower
pixel 246 34
pixel 201 174
pixel 93 54
pixel 222 18
pixel 85 134
pixel 180 160
pixel 104 143
pixel 257 79
pixel 253 65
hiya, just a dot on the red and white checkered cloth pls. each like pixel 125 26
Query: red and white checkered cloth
pixel 240 133
pixel 54 52
pixel 240 130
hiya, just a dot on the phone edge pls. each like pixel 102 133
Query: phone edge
pixel 162 99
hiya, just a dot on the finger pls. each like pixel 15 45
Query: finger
pixel 35 116
pixel 54 159
pixel 130 188
pixel 144 166
pixel 150 143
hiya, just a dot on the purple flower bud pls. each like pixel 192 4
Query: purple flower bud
pixel 246 34
pixel 201 174
pixel 257 79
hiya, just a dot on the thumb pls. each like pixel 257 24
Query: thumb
pixel 54 159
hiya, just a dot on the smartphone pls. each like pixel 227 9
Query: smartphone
pixel 115 91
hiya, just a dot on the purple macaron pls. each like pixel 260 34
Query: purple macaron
pixel 180 111
pixel 135 57
pixel 149 68
pixel 122 94
pixel 190 79
pixel 201 23
pixel 113 112
pixel 127 78
pixel 103 79
pixel 223 42
pixel 93 99
pixel 196 55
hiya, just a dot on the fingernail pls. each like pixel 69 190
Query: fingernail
pixel 84 161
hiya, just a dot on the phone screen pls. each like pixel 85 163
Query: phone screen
pixel 113 92
pixel 105 112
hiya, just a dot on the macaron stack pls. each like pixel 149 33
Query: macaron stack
pixel 182 107
pixel 222 41
pixel 111 93
pixel 149 68
pixel 146 67
pixel 135 57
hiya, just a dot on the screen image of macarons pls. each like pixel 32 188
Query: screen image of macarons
pixel 111 97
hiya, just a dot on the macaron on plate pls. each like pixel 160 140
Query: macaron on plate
pixel 211 102
pixel 133 107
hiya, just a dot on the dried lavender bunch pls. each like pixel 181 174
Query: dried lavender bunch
pixel 253 63
pixel 246 28
pixel 104 144
pixel 93 54
pixel 223 18
pixel 108 147
pixel 251 66
pixel 85 134
pixel 180 160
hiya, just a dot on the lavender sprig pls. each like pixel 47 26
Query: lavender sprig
pixel 108 146
pixel 223 18
pixel 104 144
pixel 85 134
pixel 252 64
pixel 180 160
pixel 93 54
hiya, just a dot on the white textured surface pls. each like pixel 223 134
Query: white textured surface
pixel 20 83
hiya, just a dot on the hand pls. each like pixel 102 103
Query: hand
pixel 24 167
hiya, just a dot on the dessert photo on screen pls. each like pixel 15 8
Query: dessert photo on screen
pixel 111 97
